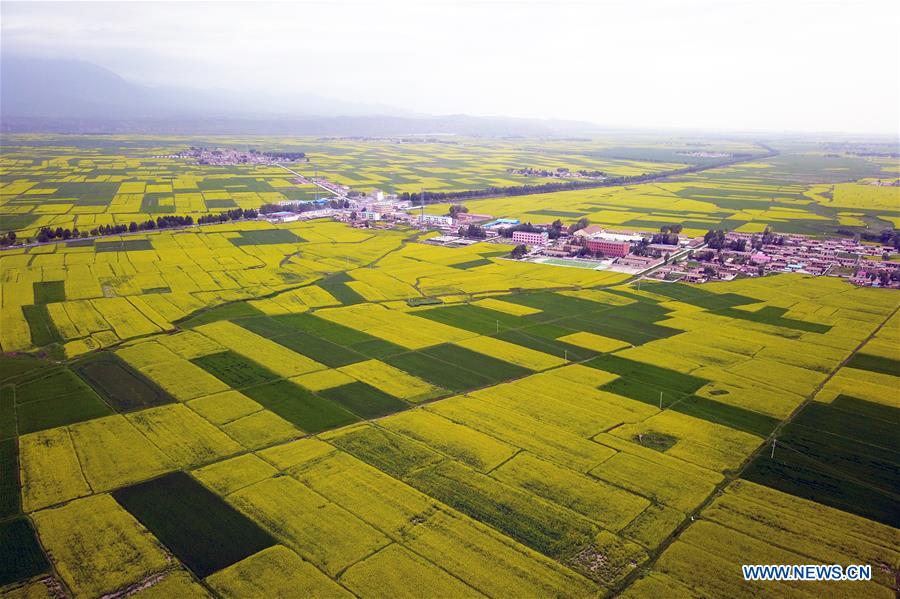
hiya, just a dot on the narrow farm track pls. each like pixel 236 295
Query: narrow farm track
pixel 736 474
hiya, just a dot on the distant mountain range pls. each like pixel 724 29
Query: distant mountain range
pixel 71 96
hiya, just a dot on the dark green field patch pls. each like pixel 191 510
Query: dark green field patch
pixel 127 245
pixel 556 305
pixel 671 380
pixel 774 316
pixel 792 474
pixel 57 399
pixel 49 291
pixel 545 527
pixel 842 454
pixel 231 311
pixel 20 554
pixel 641 391
pixel 395 454
pixel 472 318
pixel 205 533
pixel 358 341
pixel 12 367
pixel 9 478
pixel 123 387
pixel 7 412
pixel 336 285
pixel 438 372
pixel 472 264
pixel 266 237
pixel 727 415
pixel 481 365
pixel 17 222
pixel 234 370
pixel 311 346
pixel 377 348
pixel 875 364
pixel 698 297
pixel 869 409
pixel 525 338
pixel 364 400
pixel 150 204
pixel 295 404
pixel 43 331
pixel 862 428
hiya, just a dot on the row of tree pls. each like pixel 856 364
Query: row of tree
pixel 46 234
pixel 887 237
pixel 429 197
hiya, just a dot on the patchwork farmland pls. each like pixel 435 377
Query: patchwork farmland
pixel 253 408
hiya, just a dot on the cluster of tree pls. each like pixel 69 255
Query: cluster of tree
pixel 580 224
pixel 8 239
pixel 472 231
pixel 884 276
pixel 429 197
pixel 555 229
pixel 641 248
pixel 455 209
pixel 302 206
pixel 289 156
pixel 768 238
pixel 668 235
pixel 558 172
pixel 518 252
pixel 236 214
pixel 716 240
pixel 887 237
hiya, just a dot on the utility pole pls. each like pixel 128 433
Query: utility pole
pixel 773 449
pixel 567 356
pixel 660 400
pixel 498 325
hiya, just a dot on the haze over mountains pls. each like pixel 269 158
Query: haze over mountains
pixel 73 96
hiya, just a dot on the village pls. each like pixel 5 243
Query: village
pixel 231 156
pixel 667 254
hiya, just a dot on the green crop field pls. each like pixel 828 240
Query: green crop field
pixel 250 408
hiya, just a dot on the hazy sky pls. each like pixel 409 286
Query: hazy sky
pixel 799 65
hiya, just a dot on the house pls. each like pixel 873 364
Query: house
pixel 589 230
pixel 638 261
pixel 281 217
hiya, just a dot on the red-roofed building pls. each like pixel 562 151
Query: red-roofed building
pixel 615 249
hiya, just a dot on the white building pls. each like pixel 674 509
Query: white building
pixel 526 238
pixel 368 215
pixel 435 220
pixel 281 217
